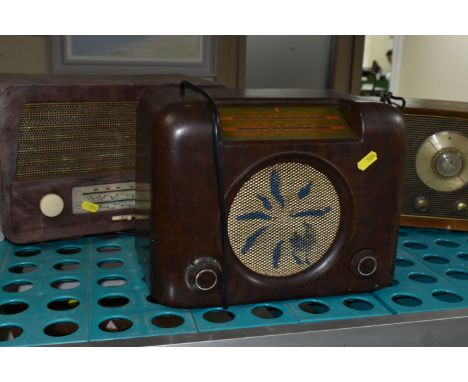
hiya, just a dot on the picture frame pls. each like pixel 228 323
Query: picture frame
pixel 139 55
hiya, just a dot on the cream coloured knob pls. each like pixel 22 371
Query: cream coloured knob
pixel 51 205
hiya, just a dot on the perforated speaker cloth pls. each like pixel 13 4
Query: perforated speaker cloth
pixel 76 138
pixel 284 219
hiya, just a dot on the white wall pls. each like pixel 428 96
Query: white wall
pixel 287 62
pixel 376 48
pixel 434 67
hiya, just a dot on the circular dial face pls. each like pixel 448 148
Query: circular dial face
pixel 284 219
pixel 441 161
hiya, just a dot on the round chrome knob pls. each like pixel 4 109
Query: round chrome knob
pixel 51 205
pixel 203 275
pixel 448 164
pixel 461 208
pixel 206 279
pixel 364 263
pixel 421 204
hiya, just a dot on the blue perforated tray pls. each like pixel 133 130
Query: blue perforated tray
pixel 92 289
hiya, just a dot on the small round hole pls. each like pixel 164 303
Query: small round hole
pixel 27 252
pixel 218 316
pixel 68 250
pixel 447 297
pixel 459 275
pixel 314 307
pixel 131 232
pixel 151 300
pixel 67 283
pixel 67 266
pixel 18 286
pixel 23 268
pixel 405 300
pixel 447 244
pixel 404 263
pixel 429 231
pixel 422 278
pixel 415 245
pixel 61 329
pixel 110 264
pixel 115 324
pixel 13 307
pixel 10 332
pixel 109 236
pixel 114 281
pixel 358 304
pixel 402 233
pixel 463 256
pixel 434 259
pixel 109 248
pixel 267 312
pixel 62 304
pixel 113 301
pixel 167 321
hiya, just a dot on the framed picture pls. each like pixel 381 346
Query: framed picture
pixel 188 55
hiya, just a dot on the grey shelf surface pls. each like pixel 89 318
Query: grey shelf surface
pixel 440 328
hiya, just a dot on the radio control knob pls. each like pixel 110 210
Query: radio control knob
pixel 421 204
pixel 51 205
pixel 364 263
pixel 203 275
pixel 461 208
pixel 206 279
pixel 448 164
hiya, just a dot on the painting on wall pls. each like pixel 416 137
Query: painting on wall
pixel 189 55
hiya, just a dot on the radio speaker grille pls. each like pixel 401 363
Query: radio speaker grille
pixel 76 138
pixel 284 219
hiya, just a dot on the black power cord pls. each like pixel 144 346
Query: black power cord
pixel 219 180
pixel 388 97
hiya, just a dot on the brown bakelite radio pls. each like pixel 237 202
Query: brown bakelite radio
pixel 67 154
pixel 434 189
pixel 266 195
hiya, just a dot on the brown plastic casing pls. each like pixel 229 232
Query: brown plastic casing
pixel 21 219
pixel 174 135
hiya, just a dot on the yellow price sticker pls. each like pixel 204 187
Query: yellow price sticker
pixel 367 160
pixel 90 207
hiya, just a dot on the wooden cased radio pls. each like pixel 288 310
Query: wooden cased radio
pixel 434 188
pixel 266 195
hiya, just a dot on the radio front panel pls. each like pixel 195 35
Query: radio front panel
pixel 435 183
pixel 311 192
